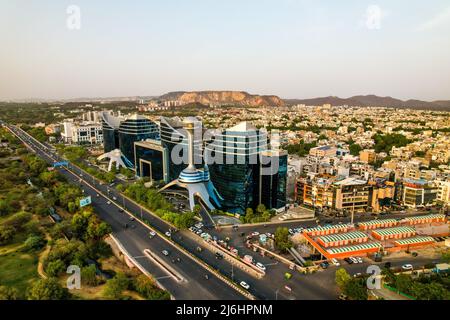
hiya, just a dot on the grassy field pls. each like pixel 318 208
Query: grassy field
pixel 18 270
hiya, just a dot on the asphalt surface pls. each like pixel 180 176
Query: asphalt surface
pixel 135 239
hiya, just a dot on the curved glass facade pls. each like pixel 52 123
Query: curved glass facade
pixel 174 139
pixel 273 180
pixel 133 130
pixel 110 138
pixel 233 159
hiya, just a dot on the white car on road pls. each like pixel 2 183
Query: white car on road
pixel 165 252
pixel 244 285
pixel 407 267
pixel 260 266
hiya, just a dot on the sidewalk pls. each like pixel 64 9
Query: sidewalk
pixel 387 294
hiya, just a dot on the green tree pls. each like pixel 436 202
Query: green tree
pixel 146 287
pixel 185 220
pixel 55 268
pixel 47 289
pixel 8 293
pixel 342 278
pixel 34 242
pixel 115 286
pixel 356 289
pixel 89 275
pixel 354 149
pixel 282 241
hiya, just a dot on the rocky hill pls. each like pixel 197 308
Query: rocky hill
pixel 223 98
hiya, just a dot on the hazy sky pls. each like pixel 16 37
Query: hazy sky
pixel 291 48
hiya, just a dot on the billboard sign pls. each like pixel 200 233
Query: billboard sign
pixel 60 164
pixel 85 201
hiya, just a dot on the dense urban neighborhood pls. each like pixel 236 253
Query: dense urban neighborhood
pixel 352 187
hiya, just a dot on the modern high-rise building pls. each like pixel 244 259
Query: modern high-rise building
pixel 273 178
pixel 174 139
pixel 133 129
pixel 110 125
pixel 152 160
pixel 121 133
pixel 243 171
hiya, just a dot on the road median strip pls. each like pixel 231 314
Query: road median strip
pixel 163 265
pixel 173 243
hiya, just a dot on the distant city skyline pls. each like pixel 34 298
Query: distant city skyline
pixel 289 48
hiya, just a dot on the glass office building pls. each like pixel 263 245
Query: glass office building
pixel 133 129
pixel 110 128
pixel 273 179
pixel 174 140
pixel 151 160
pixel 233 159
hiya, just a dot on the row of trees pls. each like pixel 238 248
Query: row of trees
pixel 261 214
pixel 156 202
pixel 354 288
pixel 301 149
pixel 115 287
pixel 424 287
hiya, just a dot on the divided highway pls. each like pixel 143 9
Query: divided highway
pixel 135 239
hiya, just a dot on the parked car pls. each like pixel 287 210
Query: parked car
pixel 151 234
pixel 354 260
pixel 335 262
pixel 109 202
pixel 255 234
pixel 168 234
pixel 407 267
pixel 244 285
pixel 348 260
pixel 360 260
pixel 324 265
pixel 165 252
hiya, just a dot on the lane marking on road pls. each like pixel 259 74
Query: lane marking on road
pixel 272 264
pixel 164 266
pixel 152 216
pixel 165 277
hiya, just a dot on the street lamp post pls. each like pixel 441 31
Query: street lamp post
pixel 276 294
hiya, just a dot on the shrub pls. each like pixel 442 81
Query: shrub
pixel 47 289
